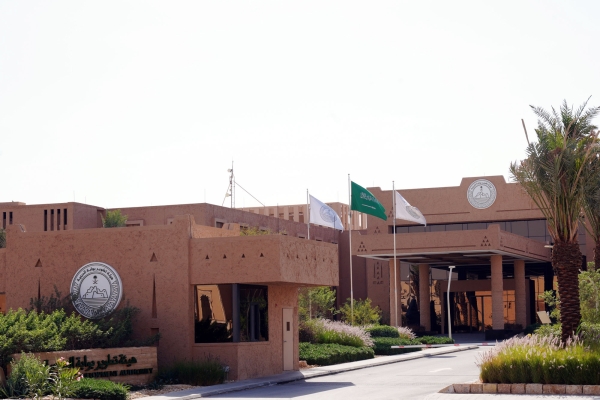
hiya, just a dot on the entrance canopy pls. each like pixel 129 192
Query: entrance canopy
pixel 470 250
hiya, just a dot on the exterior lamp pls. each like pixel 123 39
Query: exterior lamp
pixel 448 302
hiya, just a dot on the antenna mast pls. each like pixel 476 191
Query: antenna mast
pixel 231 188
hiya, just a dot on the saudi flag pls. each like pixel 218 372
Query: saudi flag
pixel 364 201
pixel 407 212
pixel 322 214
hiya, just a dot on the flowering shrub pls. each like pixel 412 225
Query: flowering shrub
pixel 540 359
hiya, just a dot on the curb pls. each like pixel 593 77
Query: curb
pixel 521 388
pixel 293 376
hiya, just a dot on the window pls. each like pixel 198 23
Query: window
pixel 231 313
pixel 254 313
pixel 213 313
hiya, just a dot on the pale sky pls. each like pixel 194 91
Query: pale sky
pixel 123 103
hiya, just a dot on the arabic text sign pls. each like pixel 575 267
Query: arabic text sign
pixel 131 365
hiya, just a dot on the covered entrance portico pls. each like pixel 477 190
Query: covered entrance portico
pixel 490 287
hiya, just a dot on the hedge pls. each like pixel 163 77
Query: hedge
pixel 377 331
pixel 329 354
pixel 100 389
pixel 383 345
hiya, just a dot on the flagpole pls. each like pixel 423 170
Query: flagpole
pixel 350 248
pixel 395 269
pixel 308 212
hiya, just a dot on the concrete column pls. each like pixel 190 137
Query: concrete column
pixel 497 292
pixel 424 296
pixel 520 296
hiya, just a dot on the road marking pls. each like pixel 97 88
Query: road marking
pixel 438 370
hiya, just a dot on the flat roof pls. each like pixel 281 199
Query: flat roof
pixel 457 248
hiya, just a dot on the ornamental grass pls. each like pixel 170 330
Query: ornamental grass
pixel 334 332
pixel 540 359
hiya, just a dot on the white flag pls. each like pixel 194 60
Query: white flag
pixel 322 214
pixel 407 212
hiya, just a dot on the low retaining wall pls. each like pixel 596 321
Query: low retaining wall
pixel 131 365
pixel 521 388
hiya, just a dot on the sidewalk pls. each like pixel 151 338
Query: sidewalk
pixel 292 376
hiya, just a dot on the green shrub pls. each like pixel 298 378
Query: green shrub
pixel 30 331
pixel 383 331
pixel 114 219
pixel 590 334
pixel 2 238
pixel 382 345
pixel 589 295
pixel 329 354
pixel 434 340
pixel 548 330
pixel 316 302
pixel 306 332
pixel 530 329
pixel 17 384
pixel 100 389
pixel 33 378
pixel 199 373
pixel 364 313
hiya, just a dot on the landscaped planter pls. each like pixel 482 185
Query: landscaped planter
pixel 521 388
pixel 131 365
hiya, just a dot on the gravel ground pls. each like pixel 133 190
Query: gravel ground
pixel 155 392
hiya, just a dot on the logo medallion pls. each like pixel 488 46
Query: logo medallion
pixel 327 214
pixel 96 290
pixel 481 194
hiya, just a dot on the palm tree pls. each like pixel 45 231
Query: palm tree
pixel 554 175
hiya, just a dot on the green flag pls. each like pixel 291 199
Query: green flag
pixel 364 201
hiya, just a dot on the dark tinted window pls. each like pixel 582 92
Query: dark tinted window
pixel 537 228
pixel 519 228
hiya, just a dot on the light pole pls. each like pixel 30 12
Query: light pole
pixel 448 302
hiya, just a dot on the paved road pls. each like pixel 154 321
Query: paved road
pixel 413 379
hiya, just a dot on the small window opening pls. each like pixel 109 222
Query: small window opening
pixel 10 222
pixel 45 220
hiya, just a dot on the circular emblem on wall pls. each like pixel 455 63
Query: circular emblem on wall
pixel 327 214
pixel 96 290
pixel 481 193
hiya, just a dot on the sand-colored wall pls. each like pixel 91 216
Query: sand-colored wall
pixel 450 204
pixel 79 216
pixel 208 215
pixel 264 258
pixel 129 251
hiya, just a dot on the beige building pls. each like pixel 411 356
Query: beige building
pixel 299 213
pixel 205 288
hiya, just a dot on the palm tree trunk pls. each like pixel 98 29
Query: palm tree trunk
pixel 597 256
pixel 566 260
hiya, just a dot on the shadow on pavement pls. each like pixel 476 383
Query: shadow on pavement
pixel 287 390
